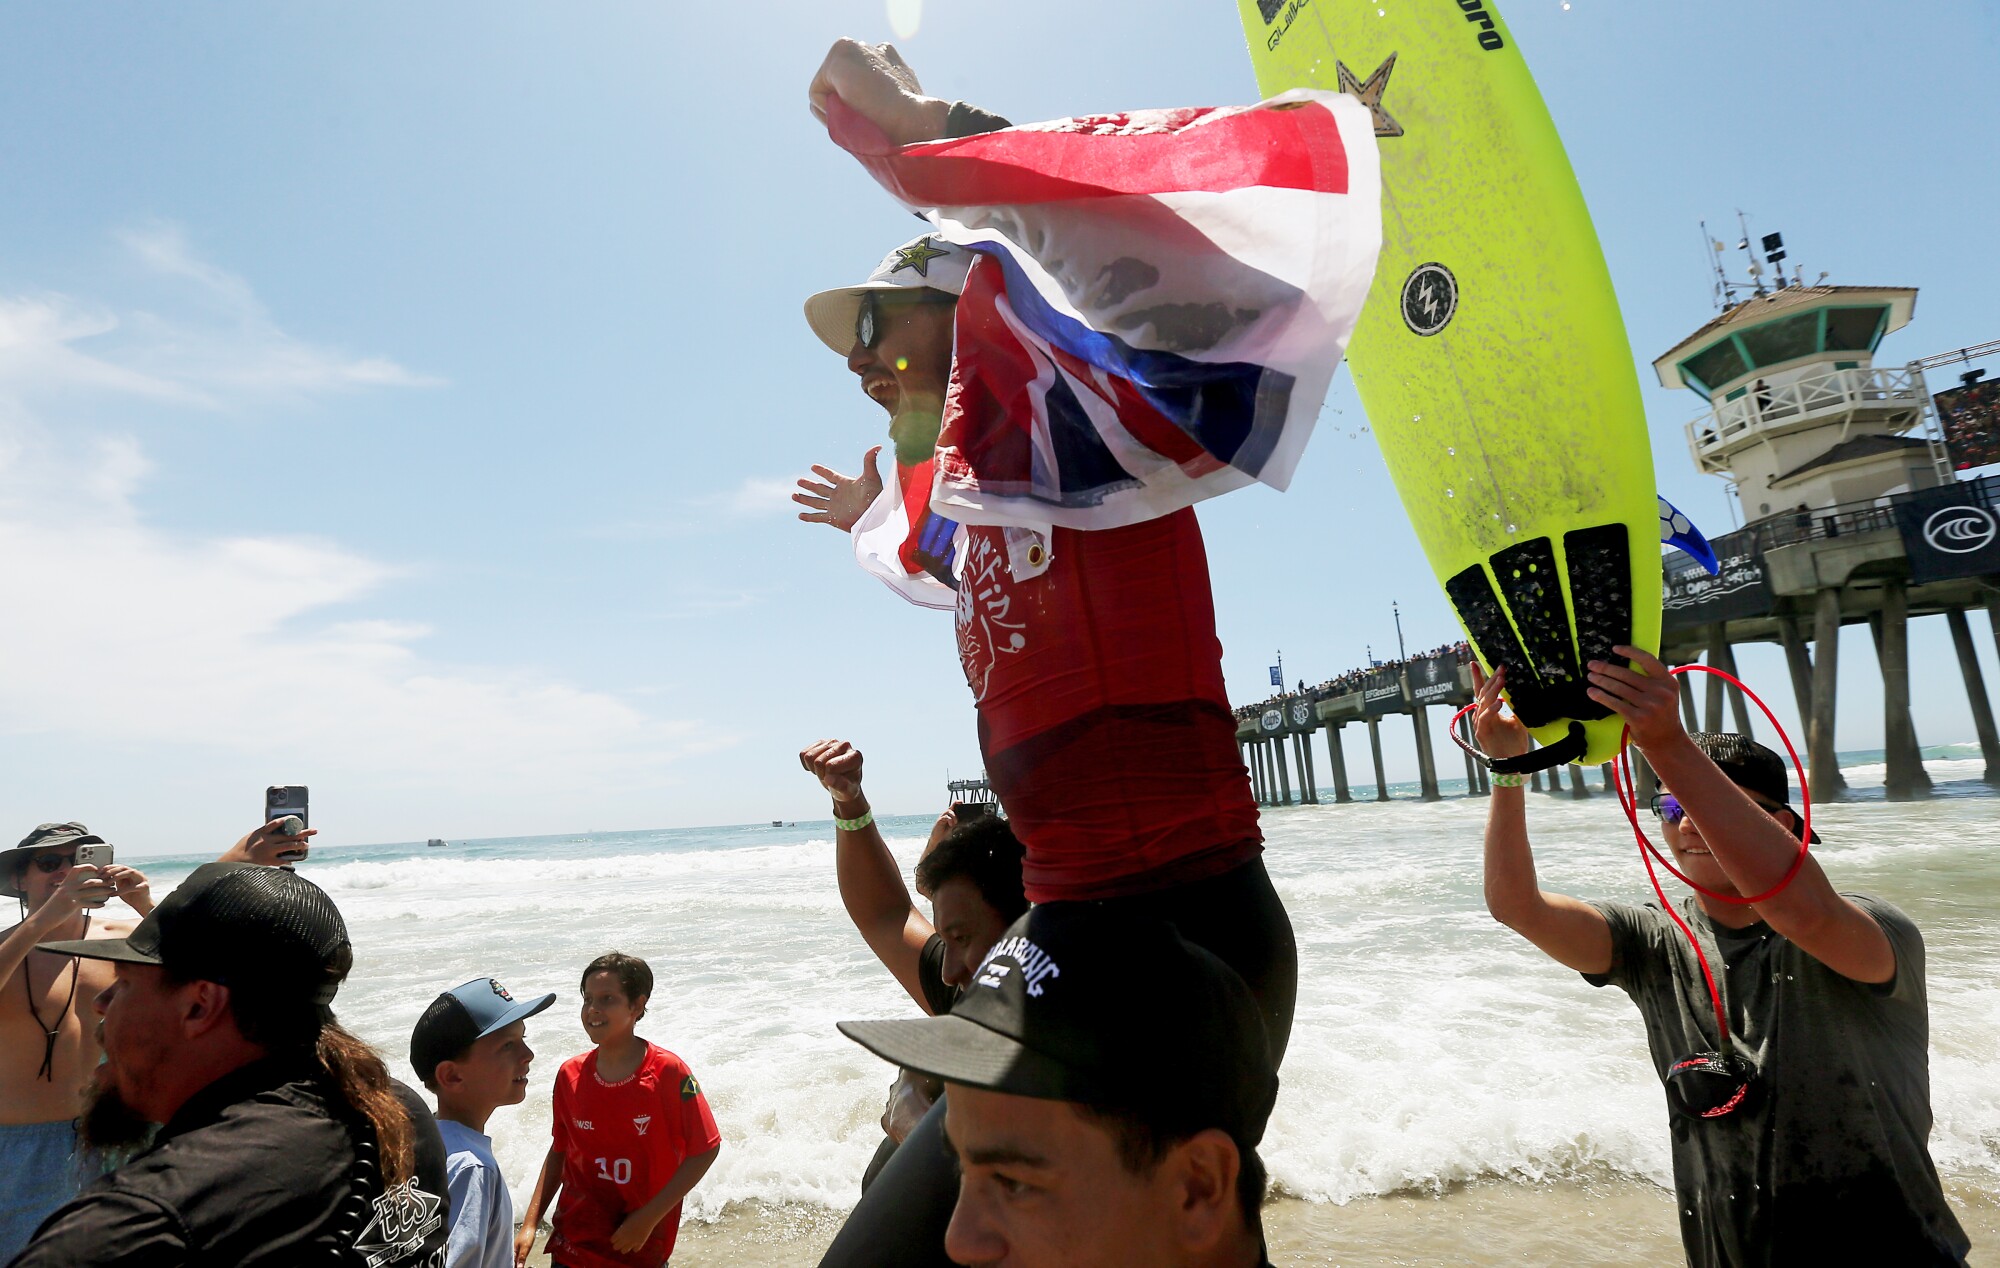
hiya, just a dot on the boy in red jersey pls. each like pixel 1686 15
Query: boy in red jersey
pixel 633 1134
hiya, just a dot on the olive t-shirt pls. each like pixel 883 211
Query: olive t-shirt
pixel 1833 1155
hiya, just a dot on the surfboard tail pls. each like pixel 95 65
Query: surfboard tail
pixel 1543 610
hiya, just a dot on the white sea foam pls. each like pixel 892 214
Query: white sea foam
pixel 1431 1045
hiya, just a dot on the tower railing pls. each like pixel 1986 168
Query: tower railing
pixel 1763 408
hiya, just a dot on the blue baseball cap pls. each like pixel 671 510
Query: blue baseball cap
pixel 463 1015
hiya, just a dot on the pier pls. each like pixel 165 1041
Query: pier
pixel 1848 476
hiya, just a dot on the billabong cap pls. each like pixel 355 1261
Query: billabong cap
pixel 45 836
pixel 928 262
pixel 1075 1003
pixel 1750 766
pixel 463 1015
pixel 241 925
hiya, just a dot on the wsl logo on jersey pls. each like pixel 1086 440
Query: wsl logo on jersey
pixel 642 1122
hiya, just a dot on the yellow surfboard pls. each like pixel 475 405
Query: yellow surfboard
pixel 1491 357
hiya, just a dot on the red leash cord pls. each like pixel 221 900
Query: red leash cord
pixel 1628 800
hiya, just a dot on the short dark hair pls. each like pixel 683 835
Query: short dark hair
pixel 987 853
pixel 437 1020
pixel 634 976
pixel 1144 1136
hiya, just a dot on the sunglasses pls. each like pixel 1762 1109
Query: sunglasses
pixel 1668 809
pixel 50 864
pixel 868 324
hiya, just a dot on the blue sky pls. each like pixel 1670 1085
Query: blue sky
pixel 402 399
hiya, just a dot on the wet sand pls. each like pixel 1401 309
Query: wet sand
pixel 1604 1224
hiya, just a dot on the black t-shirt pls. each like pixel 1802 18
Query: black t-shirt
pixel 1834 1156
pixel 258 1170
pixel 939 996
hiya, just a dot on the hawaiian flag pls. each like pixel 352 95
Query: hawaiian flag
pixel 1162 300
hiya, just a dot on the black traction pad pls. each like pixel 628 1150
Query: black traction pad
pixel 1544 645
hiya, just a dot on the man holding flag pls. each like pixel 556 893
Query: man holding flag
pixel 1099 331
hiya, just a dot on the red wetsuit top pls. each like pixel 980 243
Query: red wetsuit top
pixel 621 1143
pixel 1102 717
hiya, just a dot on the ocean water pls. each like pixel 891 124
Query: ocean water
pixel 1432 1047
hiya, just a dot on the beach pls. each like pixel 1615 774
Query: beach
pixel 1406 1128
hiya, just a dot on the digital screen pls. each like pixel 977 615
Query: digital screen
pixel 1971 419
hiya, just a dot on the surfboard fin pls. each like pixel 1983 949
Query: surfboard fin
pixel 1543 631
pixel 1676 529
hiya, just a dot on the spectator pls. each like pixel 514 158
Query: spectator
pixel 1116 1074
pixel 470 1048
pixel 284 1140
pixel 47 1054
pixel 972 875
pixel 633 1134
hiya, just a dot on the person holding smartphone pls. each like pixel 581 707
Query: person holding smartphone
pixel 47 1051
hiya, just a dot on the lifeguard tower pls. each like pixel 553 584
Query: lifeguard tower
pixel 1800 416
pixel 1849 501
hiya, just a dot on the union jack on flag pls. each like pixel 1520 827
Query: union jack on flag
pixel 1160 304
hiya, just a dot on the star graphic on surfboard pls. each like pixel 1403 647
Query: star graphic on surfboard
pixel 1370 93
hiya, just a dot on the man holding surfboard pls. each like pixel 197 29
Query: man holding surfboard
pixel 1801 1136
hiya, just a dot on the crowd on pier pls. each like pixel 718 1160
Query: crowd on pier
pixel 1353 679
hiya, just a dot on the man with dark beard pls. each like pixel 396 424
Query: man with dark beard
pixel 283 1141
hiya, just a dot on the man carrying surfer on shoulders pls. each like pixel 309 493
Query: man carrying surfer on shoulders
pixel 1091 653
pixel 48 1049
pixel 1804 1139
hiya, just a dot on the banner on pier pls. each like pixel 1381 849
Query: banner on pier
pixel 1382 692
pixel 1433 679
pixel 1951 532
pixel 1692 598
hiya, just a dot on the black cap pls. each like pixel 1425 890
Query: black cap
pixel 1750 766
pixel 463 1015
pixel 1077 1003
pixel 46 836
pixel 238 924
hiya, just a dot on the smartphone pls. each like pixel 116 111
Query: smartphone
pixel 93 856
pixel 287 799
pixel 971 811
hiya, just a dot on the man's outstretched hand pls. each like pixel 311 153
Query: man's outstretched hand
pixel 1499 734
pixel 874 80
pixel 841 499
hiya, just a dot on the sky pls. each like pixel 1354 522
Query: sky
pixel 403 400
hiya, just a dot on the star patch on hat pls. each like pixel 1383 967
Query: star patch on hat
pixel 918 255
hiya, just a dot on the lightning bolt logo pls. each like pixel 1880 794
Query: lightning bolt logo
pixel 1430 298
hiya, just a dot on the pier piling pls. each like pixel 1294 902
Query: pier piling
pixel 1799 661
pixel 1975 692
pixel 1822 766
pixel 1375 748
pixel 1336 757
pixel 1906 777
pixel 1427 775
pixel 1284 771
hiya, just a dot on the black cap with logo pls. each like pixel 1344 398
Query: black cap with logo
pixel 1750 766
pixel 1077 1003
pixel 46 836
pixel 238 924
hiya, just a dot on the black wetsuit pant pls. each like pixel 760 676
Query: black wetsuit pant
pixel 901 1219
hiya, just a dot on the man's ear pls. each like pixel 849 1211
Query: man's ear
pixel 1203 1171
pixel 203 1007
pixel 446 1076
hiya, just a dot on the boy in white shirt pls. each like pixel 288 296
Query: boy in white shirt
pixel 471 1048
